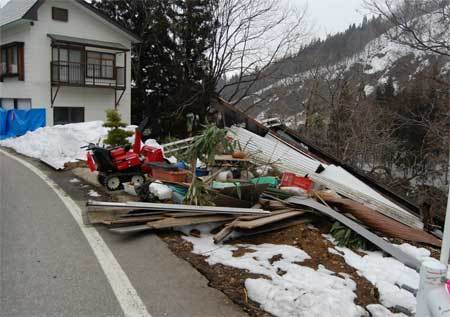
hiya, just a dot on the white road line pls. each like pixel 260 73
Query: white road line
pixel 127 296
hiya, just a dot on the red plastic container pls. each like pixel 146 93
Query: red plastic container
pixel 170 176
pixel 291 179
pixel 152 154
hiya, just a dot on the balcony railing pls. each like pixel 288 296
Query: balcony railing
pixel 91 75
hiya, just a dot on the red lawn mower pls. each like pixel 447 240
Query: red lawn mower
pixel 122 164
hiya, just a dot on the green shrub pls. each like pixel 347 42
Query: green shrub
pixel 346 237
pixel 116 135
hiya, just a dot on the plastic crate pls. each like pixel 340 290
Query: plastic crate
pixel 291 179
pixel 170 176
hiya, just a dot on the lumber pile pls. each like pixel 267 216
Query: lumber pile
pixel 241 221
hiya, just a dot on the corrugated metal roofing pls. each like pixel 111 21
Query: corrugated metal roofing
pixel 14 10
pixel 269 150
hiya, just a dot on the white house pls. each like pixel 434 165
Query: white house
pixel 64 56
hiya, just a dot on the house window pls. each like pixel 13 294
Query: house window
pixel 11 61
pixel 60 14
pixel 64 115
pixel 15 103
pixel 23 104
pixel 100 65
pixel 67 65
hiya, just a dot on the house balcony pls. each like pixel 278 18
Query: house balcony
pixel 87 75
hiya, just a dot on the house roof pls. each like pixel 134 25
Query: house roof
pixel 86 42
pixel 16 10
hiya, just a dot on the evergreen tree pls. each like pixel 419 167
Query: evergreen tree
pixel 389 89
pixel 170 67
pixel 116 135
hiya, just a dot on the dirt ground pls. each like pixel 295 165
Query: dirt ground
pixel 231 281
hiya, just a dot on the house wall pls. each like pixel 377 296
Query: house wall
pixel 82 23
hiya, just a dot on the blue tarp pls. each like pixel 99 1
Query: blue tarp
pixel 18 122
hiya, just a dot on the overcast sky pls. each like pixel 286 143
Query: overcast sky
pixel 331 16
pixel 326 16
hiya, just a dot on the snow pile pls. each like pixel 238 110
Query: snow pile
pixel 93 193
pixel 59 144
pixel 387 274
pixel 380 311
pixel 291 290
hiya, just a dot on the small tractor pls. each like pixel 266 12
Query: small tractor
pixel 122 164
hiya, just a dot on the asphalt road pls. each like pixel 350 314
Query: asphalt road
pixel 49 269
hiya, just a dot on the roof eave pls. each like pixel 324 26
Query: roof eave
pixel 14 23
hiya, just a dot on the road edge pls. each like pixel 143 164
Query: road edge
pixel 127 296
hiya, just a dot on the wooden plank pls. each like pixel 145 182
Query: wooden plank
pixel 130 229
pixel 179 222
pixel 228 228
pixel 141 214
pixel 132 220
pixel 277 226
pixel 173 208
pixel 251 224
pixel 225 232
pixel 228 157
pixel 186 214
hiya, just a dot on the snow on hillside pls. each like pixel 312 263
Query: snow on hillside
pixel 378 58
pixel 59 144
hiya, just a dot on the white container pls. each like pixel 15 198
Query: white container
pixel 224 176
pixel 129 188
pixel 161 191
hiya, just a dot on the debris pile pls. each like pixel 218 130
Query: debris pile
pixel 244 184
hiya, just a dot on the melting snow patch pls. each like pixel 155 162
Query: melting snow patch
pixel 380 311
pixel 368 89
pixel 386 273
pixel 301 291
pixel 93 193
pixel 419 253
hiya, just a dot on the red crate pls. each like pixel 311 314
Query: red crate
pixel 169 176
pixel 152 154
pixel 291 179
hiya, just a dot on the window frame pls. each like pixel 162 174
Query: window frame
pixel 60 64
pixel 69 114
pixel 5 50
pixel 63 14
pixel 113 77
pixel 16 103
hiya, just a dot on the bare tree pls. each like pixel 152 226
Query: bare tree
pixel 420 24
pixel 251 36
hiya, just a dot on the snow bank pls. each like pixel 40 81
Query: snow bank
pixel 300 291
pixel 59 144
pixel 387 274
pixel 380 311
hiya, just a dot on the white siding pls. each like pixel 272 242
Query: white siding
pixel 83 24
